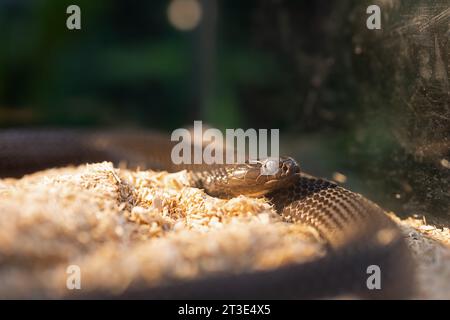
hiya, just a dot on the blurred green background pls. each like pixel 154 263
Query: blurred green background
pixel 371 105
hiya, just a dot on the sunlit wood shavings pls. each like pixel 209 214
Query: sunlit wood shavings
pixel 120 226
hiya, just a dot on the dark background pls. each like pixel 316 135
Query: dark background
pixel 373 105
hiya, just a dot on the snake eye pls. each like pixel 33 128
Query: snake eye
pixel 269 167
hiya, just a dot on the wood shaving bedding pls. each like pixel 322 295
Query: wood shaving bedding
pixel 123 227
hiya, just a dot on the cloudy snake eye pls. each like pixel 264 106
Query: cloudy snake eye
pixel 269 167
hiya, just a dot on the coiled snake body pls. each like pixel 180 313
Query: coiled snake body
pixel 358 233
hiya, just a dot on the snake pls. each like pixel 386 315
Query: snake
pixel 362 241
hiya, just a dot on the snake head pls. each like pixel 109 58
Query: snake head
pixel 255 179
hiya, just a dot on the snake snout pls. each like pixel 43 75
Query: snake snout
pixel 289 167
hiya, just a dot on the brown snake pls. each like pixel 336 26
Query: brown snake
pixel 358 232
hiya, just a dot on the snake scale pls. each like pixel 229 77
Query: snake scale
pixel 358 233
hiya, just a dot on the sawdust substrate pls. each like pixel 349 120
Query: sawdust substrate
pixel 123 228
